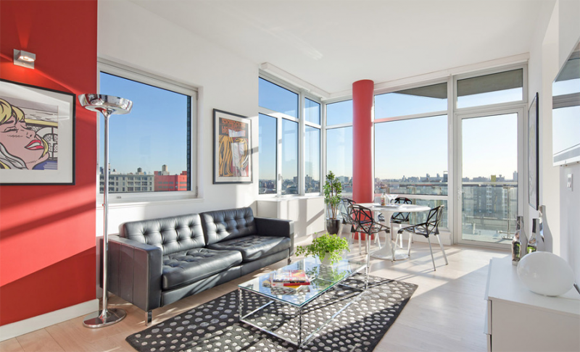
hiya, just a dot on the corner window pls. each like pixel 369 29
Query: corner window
pixel 489 89
pixel 289 128
pixel 339 113
pixel 152 145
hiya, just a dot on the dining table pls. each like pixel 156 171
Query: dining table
pixel 390 250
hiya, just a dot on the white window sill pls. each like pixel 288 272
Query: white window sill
pixel 269 198
pixel 149 202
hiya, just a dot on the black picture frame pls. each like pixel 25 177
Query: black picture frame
pixel 50 115
pixel 223 152
pixel 534 154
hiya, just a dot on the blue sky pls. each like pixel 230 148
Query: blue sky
pixel 402 148
pixel 152 134
pixel 408 148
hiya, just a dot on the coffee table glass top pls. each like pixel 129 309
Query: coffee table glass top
pixel 322 278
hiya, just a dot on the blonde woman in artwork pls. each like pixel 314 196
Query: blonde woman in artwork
pixel 20 146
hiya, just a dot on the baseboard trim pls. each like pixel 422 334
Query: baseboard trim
pixel 38 322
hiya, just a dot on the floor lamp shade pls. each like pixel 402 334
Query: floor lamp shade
pixel 107 105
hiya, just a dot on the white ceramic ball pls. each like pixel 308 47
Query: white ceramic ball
pixel 546 274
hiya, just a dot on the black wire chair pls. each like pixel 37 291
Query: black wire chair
pixel 365 223
pixel 428 228
pixel 401 218
pixel 347 213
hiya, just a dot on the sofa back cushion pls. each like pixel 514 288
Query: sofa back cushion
pixel 222 225
pixel 173 234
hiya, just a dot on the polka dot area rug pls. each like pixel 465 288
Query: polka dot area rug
pixel 214 326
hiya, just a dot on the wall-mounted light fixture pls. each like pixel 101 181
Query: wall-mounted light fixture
pixel 24 58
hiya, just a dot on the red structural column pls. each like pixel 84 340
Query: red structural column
pixel 362 126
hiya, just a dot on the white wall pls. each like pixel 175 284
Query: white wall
pixel 558 33
pixel 569 34
pixel 542 68
pixel 131 35
pixel 306 212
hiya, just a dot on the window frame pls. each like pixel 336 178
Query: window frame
pixel 453 116
pixel 489 71
pixel 302 123
pixel 447 197
pixel 144 77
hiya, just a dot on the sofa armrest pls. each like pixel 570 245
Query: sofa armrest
pixel 277 228
pixel 135 270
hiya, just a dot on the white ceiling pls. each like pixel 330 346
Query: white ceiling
pixel 332 44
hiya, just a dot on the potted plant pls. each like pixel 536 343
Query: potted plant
pixel 327 247
pixel 332 198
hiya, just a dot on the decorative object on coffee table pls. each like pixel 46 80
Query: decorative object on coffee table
pixel 332 198
pixel 328 248
pixel 215 324
pixel 106 105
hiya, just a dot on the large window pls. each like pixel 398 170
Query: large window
pixel 339 113
pixel 339 157
pixel 289 157
pixel 289 140
pixel 419 167
pixel 267 150
pixel 411 101
pixel 276 98
pixel 489 89
pixel 411 153
pixel 150 149
pixel 339 143
pixel 312 159
pixel 312 145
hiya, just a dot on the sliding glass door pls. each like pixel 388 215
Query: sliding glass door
pixel 489 167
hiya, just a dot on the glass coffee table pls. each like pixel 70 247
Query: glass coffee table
pixel 296 315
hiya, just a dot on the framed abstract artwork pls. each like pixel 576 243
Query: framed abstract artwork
pixel 37 135
pixel 232 147
pixel 533 154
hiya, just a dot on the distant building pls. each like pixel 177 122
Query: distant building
pixel 127 183
pixel 164 182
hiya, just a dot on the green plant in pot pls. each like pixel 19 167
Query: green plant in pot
pixel 327 247
pixel 332 198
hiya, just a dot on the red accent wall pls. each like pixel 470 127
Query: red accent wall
pixel 47 233
pixel 362 149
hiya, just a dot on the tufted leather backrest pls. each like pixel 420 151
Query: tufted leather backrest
pixel 228 224
pixel 173 234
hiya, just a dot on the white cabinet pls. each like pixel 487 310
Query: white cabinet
pixel 520 320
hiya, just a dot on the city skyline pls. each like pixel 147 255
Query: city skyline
pixel 133 142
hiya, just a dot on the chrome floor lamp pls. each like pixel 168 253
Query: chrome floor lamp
pixel 106 105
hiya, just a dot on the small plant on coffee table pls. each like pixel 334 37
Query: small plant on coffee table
pixel 326 244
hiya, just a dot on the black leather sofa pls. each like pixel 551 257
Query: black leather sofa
pixel 153 263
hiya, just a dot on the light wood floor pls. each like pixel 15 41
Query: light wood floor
pixel 446 313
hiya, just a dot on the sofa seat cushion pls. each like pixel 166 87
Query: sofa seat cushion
pixel 254 247
pixel 189 266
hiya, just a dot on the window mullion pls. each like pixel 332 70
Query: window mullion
pixel 322 146
pixel 279 156
pixel 301 140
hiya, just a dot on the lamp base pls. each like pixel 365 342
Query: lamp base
pixel 99 320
